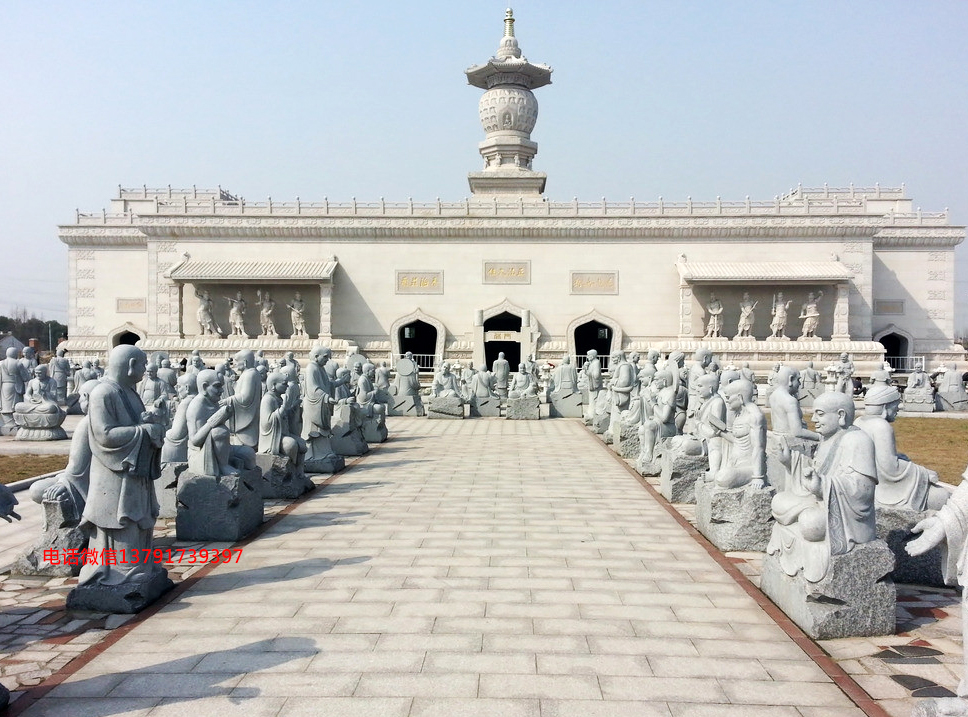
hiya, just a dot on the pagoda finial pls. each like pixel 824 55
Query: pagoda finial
pixel 509 23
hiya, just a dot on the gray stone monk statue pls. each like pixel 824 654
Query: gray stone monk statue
pixel 13 383
pixel 121 506
pixel 244 420
pixel 949 529
pixel 318 401
pixel 592 369
pixel 845 374
pixel 445 383
pixel 810 315
pixel 38 416
pixel 275 424
pixel 744 447
pixel 502 372
pixel 744 327
pixel 565 377
pixel 407 381
pixel 237 314
pixel 209 451
pixel 810 377
pixel 714 310
pixel 523 384
pixel 175 449
pixel 60 368
pixel 662 423
pixel 482 383
pixel 901 483
pixel 785 409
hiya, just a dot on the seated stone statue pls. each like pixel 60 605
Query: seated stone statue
pixel 374 412
pixel 276 436
pixel 662 424
pixel 744 447
pixel 175 449
pixel 786 415
pixel 522 384
pixel 38 416
pixel 445 383
pixel 900 482
pixel 210 452
pixel 152 388
pixel 483 384
pixel 829 507
pixel 707 426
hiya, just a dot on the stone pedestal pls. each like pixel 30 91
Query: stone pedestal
pixel 375 429
pixel 280 479
pixel 856 598
pixel 321 458
pixel 735 518
pixel 565 404
pixel 523 409
pixel 224 509
pixel 72 405
pixel 677 481
pixel 59 533
pixel 628 444
pixel 652 468
pixel 166 488
pixel 600 422
pixel 918 400
pixel 954 401
pixel 894 528
pixel 941 707
pixel 405 406
pixel 40 426
pixel 485 407
pixel 347 438
pixel 450 407
pixel 776 472
pixel 126 598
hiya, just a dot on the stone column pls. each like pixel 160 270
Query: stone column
pixel 325 312
pixel 181 310
pixel 478 337
pixel 841 331
pixel 685 312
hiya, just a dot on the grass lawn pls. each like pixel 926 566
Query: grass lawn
pixel 28 465
pixel 940 444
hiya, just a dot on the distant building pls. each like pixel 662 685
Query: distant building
pixel 509 270
pixel 8 341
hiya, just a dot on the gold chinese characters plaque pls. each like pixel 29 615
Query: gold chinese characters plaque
pixel 507 272
pixel 419 282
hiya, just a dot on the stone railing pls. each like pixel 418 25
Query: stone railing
pixel 850 192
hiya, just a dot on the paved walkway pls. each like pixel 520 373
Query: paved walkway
pixel 482 567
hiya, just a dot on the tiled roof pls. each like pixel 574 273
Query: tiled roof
pixel 805 271
pixel 255 270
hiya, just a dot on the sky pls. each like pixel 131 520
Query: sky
pixel 341 99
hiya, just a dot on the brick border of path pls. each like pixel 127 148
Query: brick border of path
pixel 826 663
pixel 34 694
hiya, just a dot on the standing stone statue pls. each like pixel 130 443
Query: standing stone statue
pixel 267 306
pixel 744 447
pixel 785 409
pixel 152 388
pixel 405 391
pixel 744 327
pixel 592 371
pixel 950 389
pixel 810 377
pixel 206 315
pixel 297 312
pixel 244 419
pixel 714 310
pixel 167 374
pixel 121 507
pixel 13 384
pixel 320 396
pixel 810 315
pixel 563 392
pixel 382 378
pixel 844 369
pixel 38 417
pixel 701 360
pixel 374 412
pixel 28 359
pixel 60 368
pixel 237 314
pixel 779 313
pixel 502 371
pixel 662 423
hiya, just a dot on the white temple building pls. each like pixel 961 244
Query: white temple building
pixel 510 270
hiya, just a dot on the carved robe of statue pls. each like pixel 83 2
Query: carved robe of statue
pixel 13 383
pixel 482 384
pixel 244 422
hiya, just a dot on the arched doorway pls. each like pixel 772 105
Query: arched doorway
pixel 896 351
pixel 418 337
pixel 128 338
pixel 592 335
pixel 498 338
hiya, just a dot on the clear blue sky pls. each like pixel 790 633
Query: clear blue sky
pixel 344 99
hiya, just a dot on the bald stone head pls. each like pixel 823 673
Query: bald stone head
pixel 126 365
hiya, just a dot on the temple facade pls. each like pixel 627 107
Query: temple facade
pixel 851 269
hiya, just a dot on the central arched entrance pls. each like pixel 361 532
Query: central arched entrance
pixel 418 337
pixel 592 335
pixel 502 334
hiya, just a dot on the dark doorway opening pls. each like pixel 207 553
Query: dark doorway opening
pixel 508 322
pixel 895 346
pixel 593 335
pixel 419 338
pixel 128 338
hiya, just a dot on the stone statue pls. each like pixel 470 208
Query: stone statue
pixel 343 382
pixel 810 315
pixel 919 393
pixel 502 371
pixel 13 384
pixel 744 328
pixel 592 371
pixel 949 529
pixel 810 377
pixel 374 412
pixel 662 423
pixel 845 372
pixel 96 367
pixel 951 389
pixel 290 366
pixel 195 362
pixel 169 375
pixel 918 378
pixel 704 437
pixel 276 435
pixel 701 360
pixel 407 380
pixel 152 388
pixel 297 312
pixel 318 401
pixel 482 383
pixel 175 448
pixel 267 306
pixel 60 369
pixel 786 415
pixel 38 416
pixel 747 373
pixel 714 310
pixel 206 315
pixel 779 313
pixel 565 377
pixel 237 314
pixel 445 383
pixel 900 482
pixel 28 359
pixel 244 418
pixel 382 378
pixel 523 384
pixel 829 508
pixel 744 447
pixel 210 452
pixel 121 508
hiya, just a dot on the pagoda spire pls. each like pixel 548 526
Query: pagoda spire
pixel 508 111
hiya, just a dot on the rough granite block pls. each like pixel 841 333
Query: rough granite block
pixel 452 408
pixel 405 406
pixel 941 707
pixel 894 528
pixel 601 422
pixel 776 472
pixel 124 599
pixel 219 509
pixel 677 481
pixel 374 430
pixel 59 533
pixel 280 479
pixel 485 407
pixel 856 598
pixel 565 404
pixel 653 468
pixel 735 518
pixel 523 409
pixel 628 444
pixel 166 488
